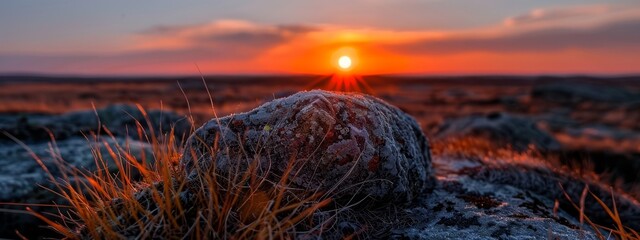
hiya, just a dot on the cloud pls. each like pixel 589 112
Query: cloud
pixel 220 34
pixel 534 43
pixel 542 15
pixel 223 41
pixel 615 35
pixel 262 37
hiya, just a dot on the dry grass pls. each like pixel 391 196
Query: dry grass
pixel 159 199
pixel 617 231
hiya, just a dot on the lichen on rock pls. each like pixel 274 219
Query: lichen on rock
pixel 344 144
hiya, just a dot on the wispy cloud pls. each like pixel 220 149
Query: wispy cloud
pixel 545 15
pixel 226 41
pixel 616 35
pixel 242 36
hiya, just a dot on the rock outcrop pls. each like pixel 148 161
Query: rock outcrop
pixel 341 143
pixel 500 129
pixel 568 92
pixel 121 120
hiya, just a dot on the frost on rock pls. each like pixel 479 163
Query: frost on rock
pixel 341 143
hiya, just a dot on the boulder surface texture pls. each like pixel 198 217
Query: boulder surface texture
pixel 343 144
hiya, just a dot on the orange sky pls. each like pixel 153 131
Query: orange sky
pixel 576 38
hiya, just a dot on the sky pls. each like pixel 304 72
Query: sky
pixel 167 37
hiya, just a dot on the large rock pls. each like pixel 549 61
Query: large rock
pixel 343 143
pixel 501 129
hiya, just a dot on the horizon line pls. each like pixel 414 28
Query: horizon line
pixel 260 75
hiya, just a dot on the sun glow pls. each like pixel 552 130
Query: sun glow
pixel 345 78
pixel 345 59
pixel 344 62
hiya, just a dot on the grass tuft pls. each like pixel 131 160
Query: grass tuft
pixel 157 198
pixel 618 230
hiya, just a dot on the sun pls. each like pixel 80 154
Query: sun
pixel 344 62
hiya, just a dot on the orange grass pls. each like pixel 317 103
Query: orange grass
pixel 158 199
pixel 618 230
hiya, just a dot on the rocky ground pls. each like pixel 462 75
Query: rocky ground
pixel 500 147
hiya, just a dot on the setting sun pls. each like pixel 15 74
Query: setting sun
pixel 344 62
